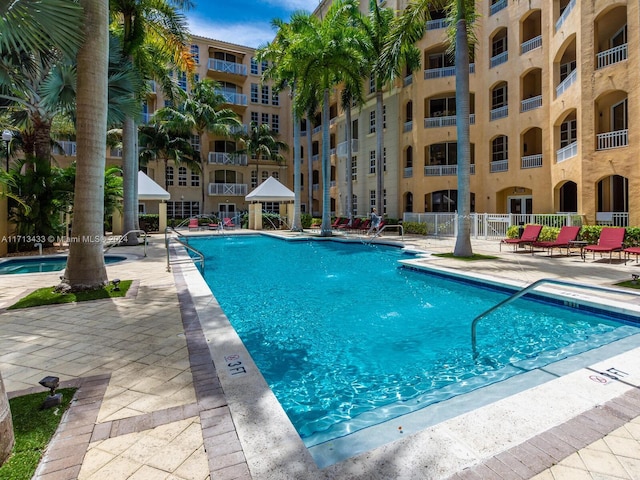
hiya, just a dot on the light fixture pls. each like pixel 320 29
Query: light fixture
pixel 53 399
pixel 116 284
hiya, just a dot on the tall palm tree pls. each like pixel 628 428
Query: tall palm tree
pixel 408 29
pixel 327 51
pixel 201 112
pixel 147 25
pixel 261 143
pixel 85 266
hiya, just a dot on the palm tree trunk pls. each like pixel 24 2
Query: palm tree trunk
pixel 129 205
pixel 379 154
pixel 325 228
pixel 463 238
pixel 7 437
pixel 85 265
pixel 348 135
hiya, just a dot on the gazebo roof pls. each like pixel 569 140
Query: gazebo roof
pixel 150 190
pixel 271 190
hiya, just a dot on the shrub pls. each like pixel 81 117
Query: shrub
pixel 306 219
pixel 149 222
pixel 415 228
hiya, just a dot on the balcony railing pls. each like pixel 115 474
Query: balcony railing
pixel 498 59
pixel 499 112
pixel 499 166
pixel 535 42
pixel 612 219
pixel 303 133
pixel 65 147
pixel 567 82
pixel 115 152
pixel 437 24
pixel 497 6
pixel 235 189
pixel 408 172
pixel 235 129
pixel 408 126
pixel 342 148
pixel 408 80
pixel 233 98
pixel 225 158
pixel 332 151
pixel 315 158
pixel 445 170
pixel 531 103
pixel 318 129
pixel 615 139
pixel 446 121
pixel 442 72
pixel 613 55
pixel 567 152
pixel 565 14
pixel 227 67
pixel 531 161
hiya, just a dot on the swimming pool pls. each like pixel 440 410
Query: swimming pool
pixel 346 339
pixel 15 265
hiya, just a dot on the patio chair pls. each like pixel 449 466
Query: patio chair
pixel 228 223
pixel 631 251
pixel 193 224
pixel 529 235
pixel 566 235
pixel 610 240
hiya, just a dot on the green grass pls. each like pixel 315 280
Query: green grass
pixel 475 256
pixel 46 296
pixel 629 284
pixel 33 430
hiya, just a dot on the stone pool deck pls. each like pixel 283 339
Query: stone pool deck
pixel 158 397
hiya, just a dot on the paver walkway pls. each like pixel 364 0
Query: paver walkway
pixel 150 405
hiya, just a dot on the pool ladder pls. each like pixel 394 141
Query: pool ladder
pixel 534 285
pixel 199 260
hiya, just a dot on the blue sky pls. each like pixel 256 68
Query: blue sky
pixel 242 22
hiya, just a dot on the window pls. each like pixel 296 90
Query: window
pixel 182 176
pixel 275 123
pixel 372 199
pixel 196 77
pixel 254 117
pixel 195 142
pixel 372 121
pixel 499 148
pixel 169 176
pixel 265 65
pixel 264 176
pixel 566 69
pixel 384 116
pixel 195 179
pixel 354 203
pixel 195 53
pixel 182 209
pixel 275 98
pixel 254 179
pixel 254 93
pixel 568 133
pixel 372 83
pixel 276 175
pixel 265 94
pixel 619 116
pixel 499 45
pixel 354 169
pixel 254 66
pixel 372 161
pixel 182 81
pixel 499 96
pixel 265 118
pixel 443 154
pixel 384 159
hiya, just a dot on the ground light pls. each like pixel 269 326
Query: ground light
pixel 53 399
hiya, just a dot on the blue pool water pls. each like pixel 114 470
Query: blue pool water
pixel 43 264
pixel 340 331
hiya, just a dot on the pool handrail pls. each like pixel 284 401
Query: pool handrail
pixel 184 243
pixel 532 286
pixel 384 227
pixel 122 237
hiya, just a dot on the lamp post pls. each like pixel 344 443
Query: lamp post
pixel 6 138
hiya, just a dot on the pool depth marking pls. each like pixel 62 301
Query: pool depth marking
pixel 235 365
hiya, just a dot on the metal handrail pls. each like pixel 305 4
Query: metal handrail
pixel 122 237
pixel 535 284
pixel 188 247
pixel 384 227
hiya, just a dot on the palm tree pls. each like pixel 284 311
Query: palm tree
pixel 201 113
pixel 261 143
pixel 147 26
pixel 408 29
pixel 327 51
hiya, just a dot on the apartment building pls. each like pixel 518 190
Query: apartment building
pixel 553 86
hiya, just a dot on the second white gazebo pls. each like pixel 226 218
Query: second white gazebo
pixel 271 190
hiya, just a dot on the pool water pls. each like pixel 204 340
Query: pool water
pixel 341 333
pixel 43 264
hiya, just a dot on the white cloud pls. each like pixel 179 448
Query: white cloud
pixel 247 34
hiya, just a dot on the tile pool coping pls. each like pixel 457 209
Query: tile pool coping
pixel 273 448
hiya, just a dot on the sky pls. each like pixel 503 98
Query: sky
pixel 243 22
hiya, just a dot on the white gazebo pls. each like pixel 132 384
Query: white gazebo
pixel 271 190
pixel 148 191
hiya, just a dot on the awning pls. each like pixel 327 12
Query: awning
pixel 271 190
pixel 150 190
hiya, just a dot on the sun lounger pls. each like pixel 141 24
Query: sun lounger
pixel 193 224
pixel 529 235
pixel 631 251
pixel 566 235
pixel 610 240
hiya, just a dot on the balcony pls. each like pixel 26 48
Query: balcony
pixel 341 150
pixel 497 6
pixel 408 126
pixel 567 82
pixel 531 161
pixel 615 139
pixel 499 112
pixel 531 103
pixel 565 14
pixel 567 152
pixel 611 56
pixel 408 80
pixel 498 59
pixel 332 151
pixel 315 158
pixel 318 129
pixel 407 172
pixel 228 189
pixel 227 67
pixel 535 42
pixel 225 158
pixel 237 129
pixel 65 147
pixel 445 170
pixel 437 24
pixel 233 98
pixel 442 72
pixel 499 166
pixel 445 121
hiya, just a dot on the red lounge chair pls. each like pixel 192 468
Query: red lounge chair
pixel 341 222
pixel 193 224
pixel 631 251
pixel 365 225
pixel 529 235
pixel 355 225
pixel 228 223
pixel 610 240
pixel 565 237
